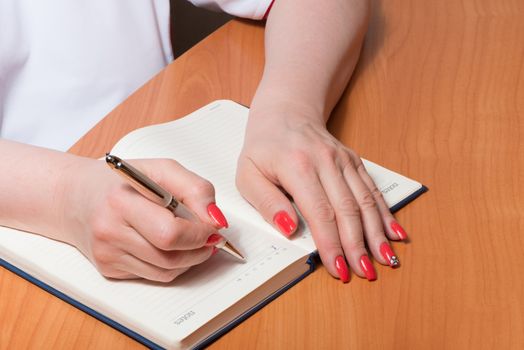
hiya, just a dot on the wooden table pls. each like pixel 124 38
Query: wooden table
pixel 439 96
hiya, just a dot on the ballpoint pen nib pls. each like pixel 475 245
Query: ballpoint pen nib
pixel 228 247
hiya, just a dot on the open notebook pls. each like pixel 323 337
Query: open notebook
pixel 210 299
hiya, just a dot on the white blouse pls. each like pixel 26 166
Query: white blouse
pixel 65 64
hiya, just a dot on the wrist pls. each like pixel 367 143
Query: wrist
pixel 272 106
pixel 35 192
pixel 74 202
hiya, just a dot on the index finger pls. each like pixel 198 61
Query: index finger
pixel 160 227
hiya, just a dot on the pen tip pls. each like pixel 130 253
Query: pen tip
pixel 228 247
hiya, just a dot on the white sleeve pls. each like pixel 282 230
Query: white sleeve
pixel 254 9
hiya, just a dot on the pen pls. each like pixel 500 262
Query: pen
pixel 154 192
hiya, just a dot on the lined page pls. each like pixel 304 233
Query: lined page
pixel 163 313
pixel 394 187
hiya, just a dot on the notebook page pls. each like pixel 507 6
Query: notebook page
pixel 208 142
pixel 162 313
pixel 394 187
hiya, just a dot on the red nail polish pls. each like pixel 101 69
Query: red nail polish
pixel 284 223
pixel 342 268
pixel 395 226
pixel 388 254
pixel 214 239
pixel 368 268
pixel 217 216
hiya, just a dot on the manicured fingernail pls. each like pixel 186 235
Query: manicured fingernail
pixel 368 268
pixel 388 254
pixel 214 239
pixel 342 268
pixel 395 226
pixel 216 215
pixel 284 222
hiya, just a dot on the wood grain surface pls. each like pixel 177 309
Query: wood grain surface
pixel 438 95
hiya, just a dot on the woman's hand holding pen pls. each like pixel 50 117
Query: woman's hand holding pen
pixel 128 236
pixel 288 150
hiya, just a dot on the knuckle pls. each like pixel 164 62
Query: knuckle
pixel 265 203
pixel 367 201
pixel 327 151
pixel 167 235
pixel 166 276
pixel 201 188
pixel 344 160
pixel 348 207
pixel 359 165
pixel 100 229
pixel 171 260
pixel 102 258
pixel 354 155
pixel 301 161
pixel 324 211
pixel 108 272
pixel 377 195
pixel 348 168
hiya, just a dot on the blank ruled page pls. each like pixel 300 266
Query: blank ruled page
pixel 164 313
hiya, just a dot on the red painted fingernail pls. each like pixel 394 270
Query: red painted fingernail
pixel 284 223
pixel 214 239
pixel 216 215
pixel 395 226
pixel 342 268
pixel 388 254
pixel 368 268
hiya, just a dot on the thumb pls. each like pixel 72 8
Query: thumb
pixel 266 197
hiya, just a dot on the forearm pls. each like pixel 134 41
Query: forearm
pixel 311 50
pixel 33 188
